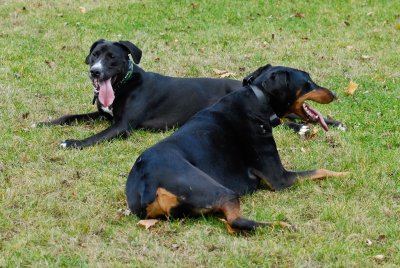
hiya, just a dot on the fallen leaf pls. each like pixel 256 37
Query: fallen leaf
pixel 25 115
pixel 82 10
pixel 147 223
pixel 51 64
pixel 379 257
pixel 366 57
pixel 351 88
pixel 228 74
pixel 219 72
pixel 370 13
pixel 310 135
pixel 368 242
pixel 299 15
pixel 331 141
pixel 223 73
pixel 194 5
pixel 381 238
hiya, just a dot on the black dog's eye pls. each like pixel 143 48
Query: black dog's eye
pixel 95 54
pixel 112 56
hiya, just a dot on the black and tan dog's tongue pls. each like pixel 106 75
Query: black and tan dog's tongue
pixel 106 93
pixel 322 122
pixel 320 119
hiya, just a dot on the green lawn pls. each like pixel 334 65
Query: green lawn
pixel 65 207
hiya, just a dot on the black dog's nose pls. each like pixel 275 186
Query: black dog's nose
pixel 95 73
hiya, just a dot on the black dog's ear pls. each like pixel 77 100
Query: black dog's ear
pixel 133 50
pixel 249 79
pixel 91 49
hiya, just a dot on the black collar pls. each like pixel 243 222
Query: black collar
pixel 274 120
pixel 259 94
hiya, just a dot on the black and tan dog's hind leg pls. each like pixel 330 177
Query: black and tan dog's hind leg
pixel 235 223
pixel 187 192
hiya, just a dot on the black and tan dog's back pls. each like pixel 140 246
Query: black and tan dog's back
pixel 226 151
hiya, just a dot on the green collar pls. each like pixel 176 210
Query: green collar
pixel 128 74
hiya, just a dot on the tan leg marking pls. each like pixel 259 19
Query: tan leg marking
pixel 231 210
pixel 162 204
pixel 323 173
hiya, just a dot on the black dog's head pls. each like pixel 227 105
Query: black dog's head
pixel 109 64
pixel 287 90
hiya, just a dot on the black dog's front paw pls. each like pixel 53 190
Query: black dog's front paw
pixel 71 144
pixel 40 124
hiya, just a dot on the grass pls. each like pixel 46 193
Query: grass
pixel 63 207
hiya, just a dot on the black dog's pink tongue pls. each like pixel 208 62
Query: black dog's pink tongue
pixel 106 93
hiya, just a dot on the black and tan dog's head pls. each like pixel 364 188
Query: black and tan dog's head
pixel 109 64
pixel 287 89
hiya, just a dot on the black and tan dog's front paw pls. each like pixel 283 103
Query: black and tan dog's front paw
pixel 71 144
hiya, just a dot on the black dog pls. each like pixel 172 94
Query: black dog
pixel 226 151
pixel 132 98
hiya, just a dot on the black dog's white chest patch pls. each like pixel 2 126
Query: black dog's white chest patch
pixel 108 110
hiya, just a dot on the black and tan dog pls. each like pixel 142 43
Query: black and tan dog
pixel 132 98
pixel 226 151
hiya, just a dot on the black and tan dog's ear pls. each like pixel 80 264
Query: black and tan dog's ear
pixel 278 77
pixel 91 49
pixel 132 49
pixel 249 79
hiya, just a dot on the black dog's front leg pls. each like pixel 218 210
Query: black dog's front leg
pixel 116 130
pixel 68 119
